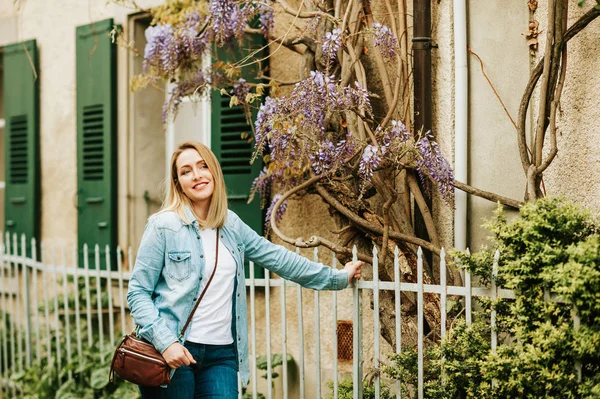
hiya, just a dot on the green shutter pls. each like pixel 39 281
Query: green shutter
pixel 233 151
pixel 22 157
pixel 96 139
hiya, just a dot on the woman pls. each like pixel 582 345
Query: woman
pixel 175 260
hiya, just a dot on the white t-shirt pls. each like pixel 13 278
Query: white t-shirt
pixel 211 323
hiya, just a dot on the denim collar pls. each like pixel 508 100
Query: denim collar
pixel 190 216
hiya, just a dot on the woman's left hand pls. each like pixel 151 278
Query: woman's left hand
pixel 353 269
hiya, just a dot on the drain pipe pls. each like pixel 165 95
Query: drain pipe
pixel 422 92
pixel 461 104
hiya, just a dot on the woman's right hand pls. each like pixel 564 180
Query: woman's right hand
pixel 177 355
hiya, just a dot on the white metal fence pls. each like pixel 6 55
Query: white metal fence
pixel 40 296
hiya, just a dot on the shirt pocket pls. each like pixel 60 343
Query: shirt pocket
pixel 179 265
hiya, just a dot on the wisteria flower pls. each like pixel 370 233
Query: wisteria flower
pixel 229 20
pixel 431 163
pixel 370 161
pixel 240 90
pixel 158 51
pixel 278 215
pixel 266 19
pixel 385 40
pixel 331 44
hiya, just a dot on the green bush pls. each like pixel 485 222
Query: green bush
pixel 552 248
pixel 85 376
pixel 345 390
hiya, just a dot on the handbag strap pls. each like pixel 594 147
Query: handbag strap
pixel 187 323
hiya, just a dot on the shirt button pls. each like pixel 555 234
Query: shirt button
pixel 195 299
pixel 179 258
pixel 221 235
pixel 201 256
pixel 200 278
pixel 198 237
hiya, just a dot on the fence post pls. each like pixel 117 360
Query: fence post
pixel 335 337
pixel 66 309
pixel 376 328
pixel 468 295
pixel 357 365
pixel 27 301
pixel 398 310
pixel 317 332
pixel 268 333
pixel 494 297
pixel 35 271
pixel 253 330
pixel 300 336
pixel 420 320
pixel 576 325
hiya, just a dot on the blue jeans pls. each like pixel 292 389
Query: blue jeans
pixel 215 375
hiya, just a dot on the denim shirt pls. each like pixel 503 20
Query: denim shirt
pixel 166 278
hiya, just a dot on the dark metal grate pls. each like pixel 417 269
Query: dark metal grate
pixel 93 142
pixel 19 149
pixel 344 340
pixel 236 151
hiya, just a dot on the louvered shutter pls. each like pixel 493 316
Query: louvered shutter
pixel 228 126
pixel 22 158
pixel 96 139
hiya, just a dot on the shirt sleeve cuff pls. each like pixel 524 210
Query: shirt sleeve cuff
pixel 341 280
pixel 163 338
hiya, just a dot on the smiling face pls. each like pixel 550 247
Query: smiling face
pixel 195 178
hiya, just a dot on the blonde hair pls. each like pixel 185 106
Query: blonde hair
pixel 176 198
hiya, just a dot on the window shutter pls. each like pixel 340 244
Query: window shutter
pixel 22 158
pixel 228 125
pixel 96 139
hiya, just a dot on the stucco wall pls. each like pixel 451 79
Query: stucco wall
pixel 494 34
pixel 575 172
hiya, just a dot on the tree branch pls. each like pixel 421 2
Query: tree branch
pixel 539 132
pixel 577 27
pixel 313 241
pixel 488 195
pixel 369 226
pixel 306 14
pixel 383 74
pixel 422 205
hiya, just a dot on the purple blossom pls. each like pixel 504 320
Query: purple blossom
pixel 399 131
pixel 265 120
pixel 430 162
pixel 197 85
pixel 266 19
pixel 193 46
pixel 262 184
pixel 370 161
pixel 385 40
pixel 158 51
pixel 331 44
pixel 229 20
pixel 329 156
pixel 278 216
pixel 393 138
pixel 240 90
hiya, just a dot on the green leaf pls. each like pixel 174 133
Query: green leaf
pixel 17 376
pixel 99 378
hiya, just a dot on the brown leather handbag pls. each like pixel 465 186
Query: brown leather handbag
pixel 137 360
